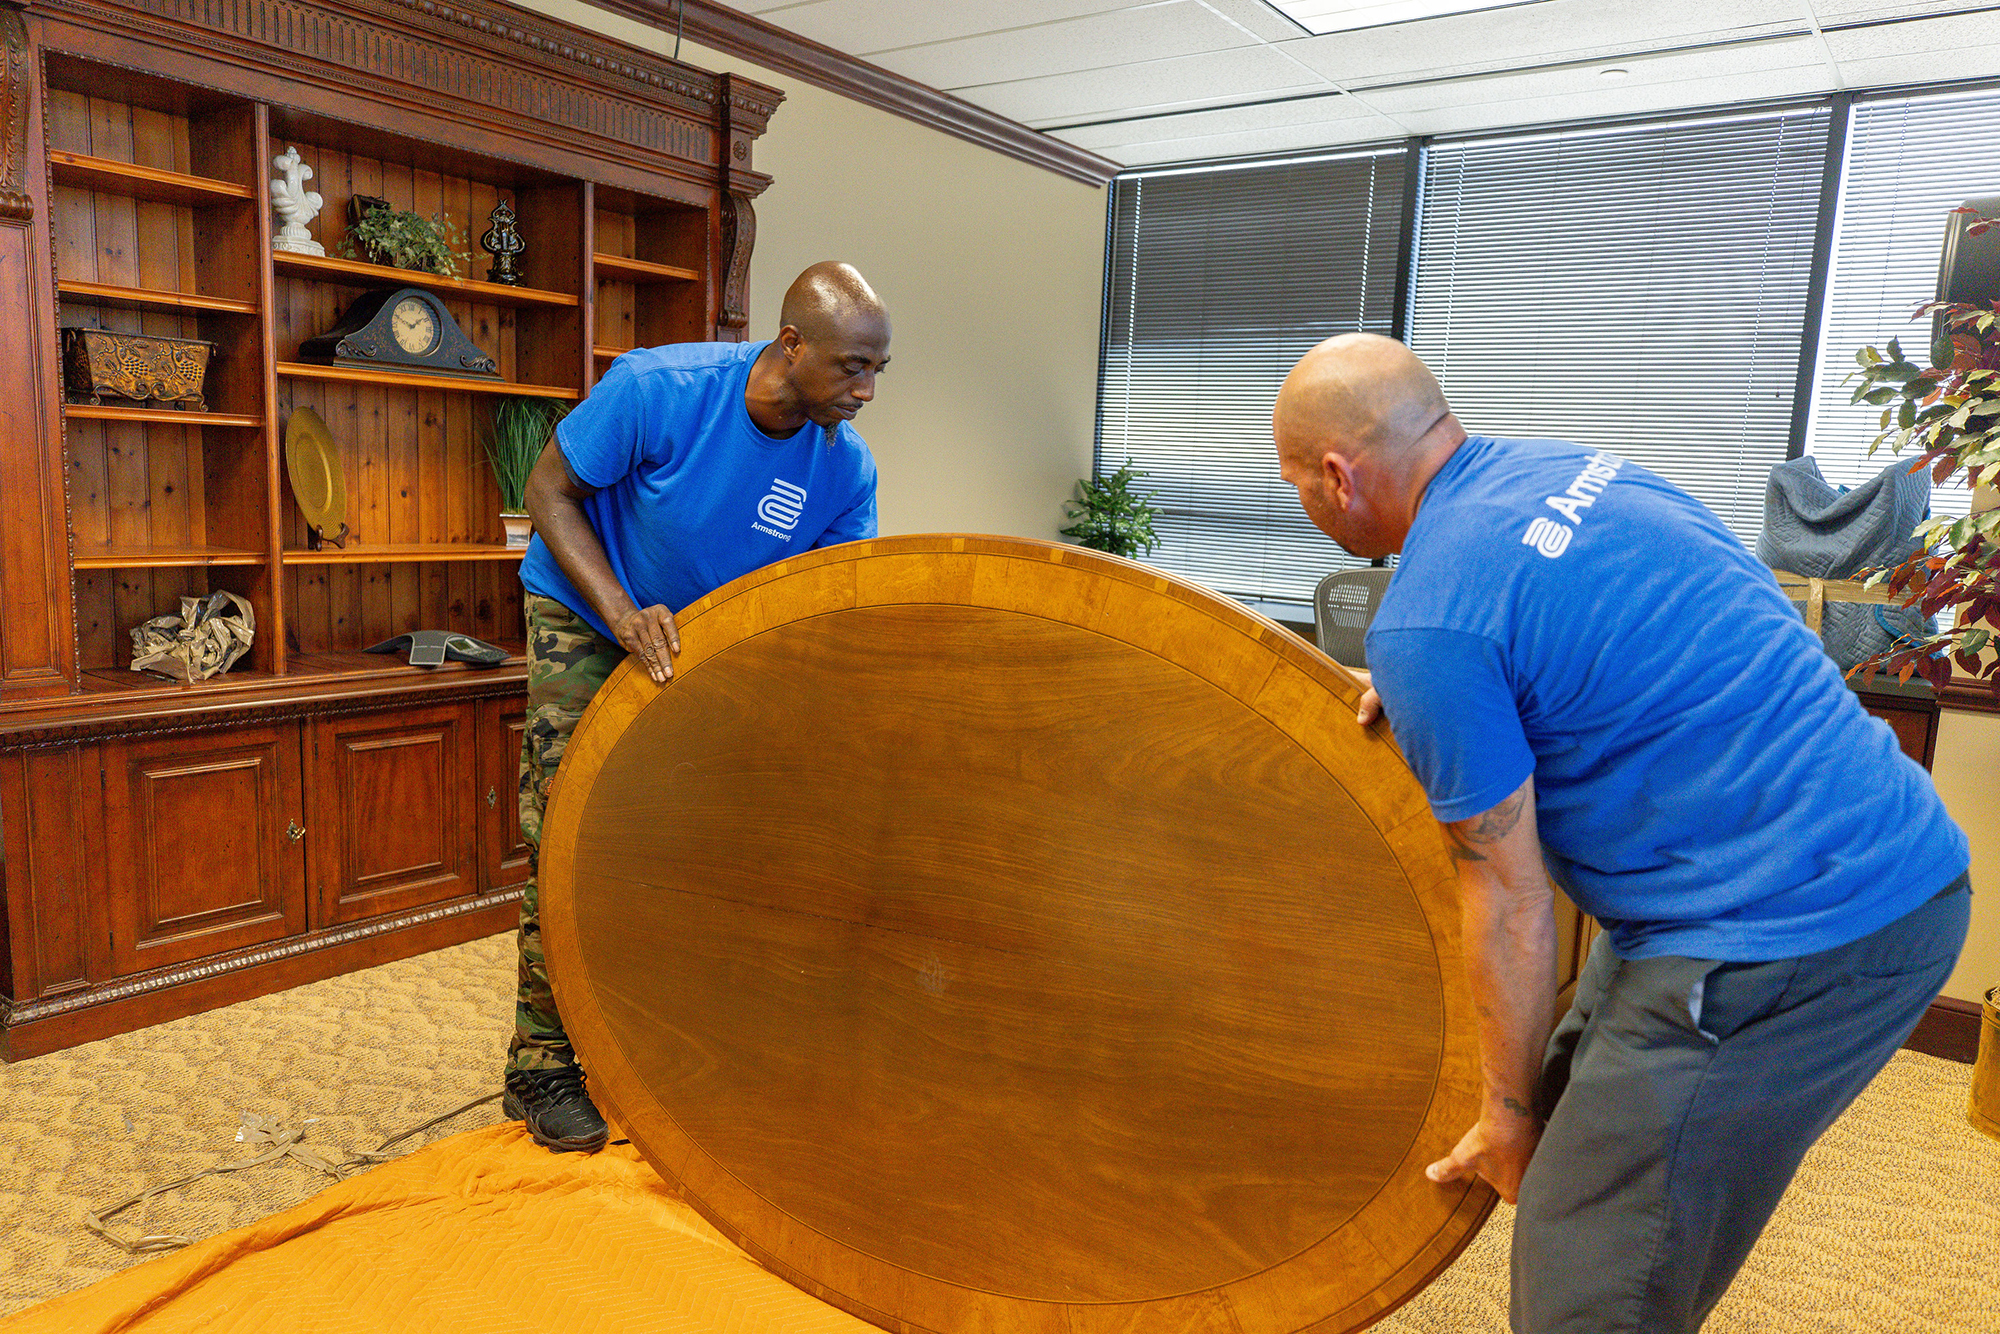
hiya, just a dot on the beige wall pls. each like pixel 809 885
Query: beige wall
pixel 993 274
pixel 1967 769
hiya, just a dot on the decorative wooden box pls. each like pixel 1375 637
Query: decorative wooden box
pixel 142 367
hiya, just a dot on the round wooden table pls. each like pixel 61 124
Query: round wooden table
pixel 992 935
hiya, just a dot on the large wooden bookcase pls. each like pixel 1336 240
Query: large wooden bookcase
pixel 317 808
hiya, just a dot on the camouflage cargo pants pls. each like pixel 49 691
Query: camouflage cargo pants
pixel 567 662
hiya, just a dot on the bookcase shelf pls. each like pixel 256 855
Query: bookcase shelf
pixel 301 370
pixel 624 269
pixel 111 176
pixel 358 273
pixel 110 412
pixel 163 558
pixel 381 554
pixel 142 298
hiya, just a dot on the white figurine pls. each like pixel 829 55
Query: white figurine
pixel 295 204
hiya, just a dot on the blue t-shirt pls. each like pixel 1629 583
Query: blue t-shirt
pixel 1706 784
pixel 691 493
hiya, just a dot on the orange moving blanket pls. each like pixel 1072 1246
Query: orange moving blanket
pixel 481 1232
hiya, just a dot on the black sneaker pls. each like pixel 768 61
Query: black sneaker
pixel 558 1113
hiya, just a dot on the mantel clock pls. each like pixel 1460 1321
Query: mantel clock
pixel 404 329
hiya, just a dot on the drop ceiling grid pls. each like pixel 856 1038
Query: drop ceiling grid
pixel 1144 81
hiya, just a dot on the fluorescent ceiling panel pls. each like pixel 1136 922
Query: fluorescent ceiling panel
pixel 1324 16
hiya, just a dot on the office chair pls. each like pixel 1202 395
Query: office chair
pixel 1343 604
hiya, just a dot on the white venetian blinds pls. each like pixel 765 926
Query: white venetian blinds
pixel 1219 279
pixel 1909 161
pixel 1640 289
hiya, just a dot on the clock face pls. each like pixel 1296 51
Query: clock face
pixel 415 324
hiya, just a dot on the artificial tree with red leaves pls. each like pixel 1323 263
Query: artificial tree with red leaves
pixel 1950 411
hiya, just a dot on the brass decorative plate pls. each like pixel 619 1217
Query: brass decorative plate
pixel 312 463
pixel 994 935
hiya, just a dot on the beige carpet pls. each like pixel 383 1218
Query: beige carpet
pixel 1892 1225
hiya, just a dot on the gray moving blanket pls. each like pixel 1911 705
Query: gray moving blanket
pixel 1814 529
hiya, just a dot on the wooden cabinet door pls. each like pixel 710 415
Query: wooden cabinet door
pixel 503 853
pixel 200 852
pixel 1914 721
pixel 392 800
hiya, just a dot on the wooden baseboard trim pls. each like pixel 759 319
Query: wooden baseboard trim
pixel 38 1028
pixel 720 28
pixel 1949 1029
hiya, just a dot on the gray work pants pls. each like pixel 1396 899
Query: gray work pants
pixel 1681 1095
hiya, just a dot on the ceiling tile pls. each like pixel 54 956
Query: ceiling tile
pixel 1966 46
pixel 1330 109
pixel 1259 17
pixel 1243 143
pixel 1096 41
pixel 1538 34
pixel 1789 67
pixel 862 27
pixel 1206 79
pixel 1833 13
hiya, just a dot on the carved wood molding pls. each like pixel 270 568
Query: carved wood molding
pixel 480 59
pixel 739 235
pixel 16 87
pixel 715 25
pixel 13 1013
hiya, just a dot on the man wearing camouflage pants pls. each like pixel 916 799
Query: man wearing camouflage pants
pixel 686 467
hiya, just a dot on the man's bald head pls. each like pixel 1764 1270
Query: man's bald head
pixel 1362 427
pixel 833 340
pixel 1359 391
pixel 831 300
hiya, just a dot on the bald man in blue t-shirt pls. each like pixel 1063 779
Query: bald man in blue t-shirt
pixel 686 467
pixel 1594 680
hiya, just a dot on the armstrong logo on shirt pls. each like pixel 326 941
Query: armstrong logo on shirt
pixel 782 507
pixel 1552 538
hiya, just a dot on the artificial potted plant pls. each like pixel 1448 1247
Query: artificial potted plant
pixel 520 427
pixel 1110 516
pixel 1950 410
pixel 402 239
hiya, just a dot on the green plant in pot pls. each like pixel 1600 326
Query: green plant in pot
pixel 406 240
pixel 1110 516
pixel 514 439
pixel 1949 411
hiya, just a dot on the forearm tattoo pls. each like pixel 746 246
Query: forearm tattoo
pixel 1467 837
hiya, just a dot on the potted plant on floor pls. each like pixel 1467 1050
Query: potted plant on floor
pixel 520 427
pixel 1110 516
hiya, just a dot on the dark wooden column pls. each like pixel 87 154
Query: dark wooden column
pixel 744 109
pixel 37 652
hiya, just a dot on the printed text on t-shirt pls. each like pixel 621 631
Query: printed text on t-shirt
pixel 1551 538
pixel 782 507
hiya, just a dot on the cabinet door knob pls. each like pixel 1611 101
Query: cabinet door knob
pixel 492 797
pixel 294 832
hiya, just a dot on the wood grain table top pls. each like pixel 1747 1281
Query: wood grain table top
pixel 992 935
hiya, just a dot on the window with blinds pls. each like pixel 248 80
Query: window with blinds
pixel 1638 288
pixel 1219 280
pixel 1910 160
